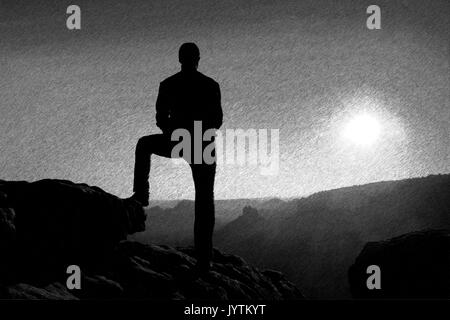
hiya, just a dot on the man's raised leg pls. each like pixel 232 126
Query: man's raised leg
pixel 158 144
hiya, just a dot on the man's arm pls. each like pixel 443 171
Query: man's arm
pixel 162 109
pixel 217 108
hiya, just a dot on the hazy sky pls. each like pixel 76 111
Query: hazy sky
pixel 74 103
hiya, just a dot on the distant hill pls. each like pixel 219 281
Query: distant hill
pixel 314 240
pixel 171 221
pixel 226 209
pixel 316 245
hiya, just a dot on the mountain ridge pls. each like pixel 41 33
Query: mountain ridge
pixel 314 240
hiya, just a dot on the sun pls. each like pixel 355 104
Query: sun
pixel 362 130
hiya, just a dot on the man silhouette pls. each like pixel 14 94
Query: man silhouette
pixel 183 98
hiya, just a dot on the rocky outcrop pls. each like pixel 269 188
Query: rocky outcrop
pixel 48 225
pixel 415 265
pixel 138 271
pixel 56 222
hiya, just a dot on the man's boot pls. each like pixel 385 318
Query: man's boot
pixel 140 197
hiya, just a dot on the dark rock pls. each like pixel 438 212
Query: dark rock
pixel 99 287
pixel 162 272
pixel 60 222
pixel 138 271
pixel 50 224
pixel 7 227
pixel 53 291
pixel 415 265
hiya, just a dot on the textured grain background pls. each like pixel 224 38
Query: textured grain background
pixel 74 103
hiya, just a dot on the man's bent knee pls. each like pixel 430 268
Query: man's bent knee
pixel 142 143
pixel 147 144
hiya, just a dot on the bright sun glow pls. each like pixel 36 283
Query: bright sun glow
pixel 362 130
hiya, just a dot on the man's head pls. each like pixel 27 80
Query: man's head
pixel 189 55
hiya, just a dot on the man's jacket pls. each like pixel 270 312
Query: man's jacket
pixel 186 97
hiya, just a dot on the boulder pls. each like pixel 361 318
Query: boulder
pixel 57 222
pixel 412 266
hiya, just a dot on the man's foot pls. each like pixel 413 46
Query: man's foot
pixel 141 198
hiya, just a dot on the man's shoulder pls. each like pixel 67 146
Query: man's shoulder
pixel 178 77
pixel 207 79
pixel 172 79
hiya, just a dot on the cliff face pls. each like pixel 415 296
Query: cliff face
pixel 48 225
pixel 55 222
pixel 413 266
